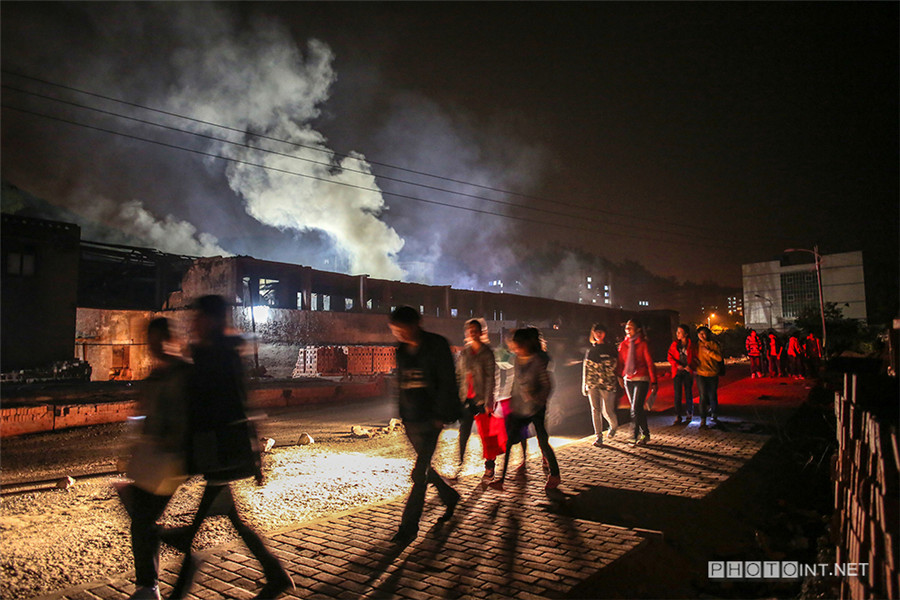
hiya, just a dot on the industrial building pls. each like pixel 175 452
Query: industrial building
pixel 288 312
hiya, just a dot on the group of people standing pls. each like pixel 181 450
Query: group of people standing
pixel 771 355
pixel 630 367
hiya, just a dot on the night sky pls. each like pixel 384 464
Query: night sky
pixel 690 137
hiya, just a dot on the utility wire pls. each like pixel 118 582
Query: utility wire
pixel 643 220
pixel 690 235
pixel 350 185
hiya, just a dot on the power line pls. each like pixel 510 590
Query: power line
pixel 350 185
pixel 642 219
pixel 328 164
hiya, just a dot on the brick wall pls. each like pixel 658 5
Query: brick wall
pixel 20 420
pixel 866 497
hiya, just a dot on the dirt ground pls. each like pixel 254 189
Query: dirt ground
pixel 52 540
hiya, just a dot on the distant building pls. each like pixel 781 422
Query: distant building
pixel 595 289
pixel 776 292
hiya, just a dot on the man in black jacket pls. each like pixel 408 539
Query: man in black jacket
pixel 428 398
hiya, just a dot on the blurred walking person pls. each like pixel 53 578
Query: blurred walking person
pixel 223 444
pixel 681 357
pixel 638 376
pixel 599 384
pixel 476 373
pixel 755 349
pixel 528 404
pixel 709 355
pixel 157 466
pixel 428 398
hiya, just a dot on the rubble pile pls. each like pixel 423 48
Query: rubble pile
pixel 65 370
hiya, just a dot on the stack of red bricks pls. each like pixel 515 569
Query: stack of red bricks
pixel 341 360
pixel 866 495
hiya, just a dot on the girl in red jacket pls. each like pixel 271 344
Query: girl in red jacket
pixel 681 357
pixel 638 375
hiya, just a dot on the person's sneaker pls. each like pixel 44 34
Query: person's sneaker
pixel 496 485
pixel 642 441
pixel 146 592
pixel 598 443
pixel 488 474
pixel 552 482
pixel 715 418
pixel 677 421
pixel 610 434
pixel 703 424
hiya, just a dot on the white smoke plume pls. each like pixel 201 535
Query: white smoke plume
pixel 258 80
pixel 139 227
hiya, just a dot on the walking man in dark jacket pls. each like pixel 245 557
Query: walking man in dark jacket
pixel 428 398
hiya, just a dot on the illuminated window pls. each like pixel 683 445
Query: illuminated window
pixel 589 280
pixel 454 312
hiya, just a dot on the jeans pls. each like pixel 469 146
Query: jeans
pixel 146 510
pixel 603 405
pixel 756 365
pixel 709 395
pixel 424 438
pixel 684 387
pixel 514 426
pixel 637 395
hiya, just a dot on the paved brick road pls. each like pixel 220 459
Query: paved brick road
pixel 522 542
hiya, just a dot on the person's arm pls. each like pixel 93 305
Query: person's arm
pixel 543 384
pixel 584 373
pixel 673 357
pixel 651 368
pixel 446 384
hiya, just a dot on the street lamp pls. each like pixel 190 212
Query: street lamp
pixel 815 253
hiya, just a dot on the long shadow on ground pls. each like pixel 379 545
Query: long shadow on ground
pixel 773 508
